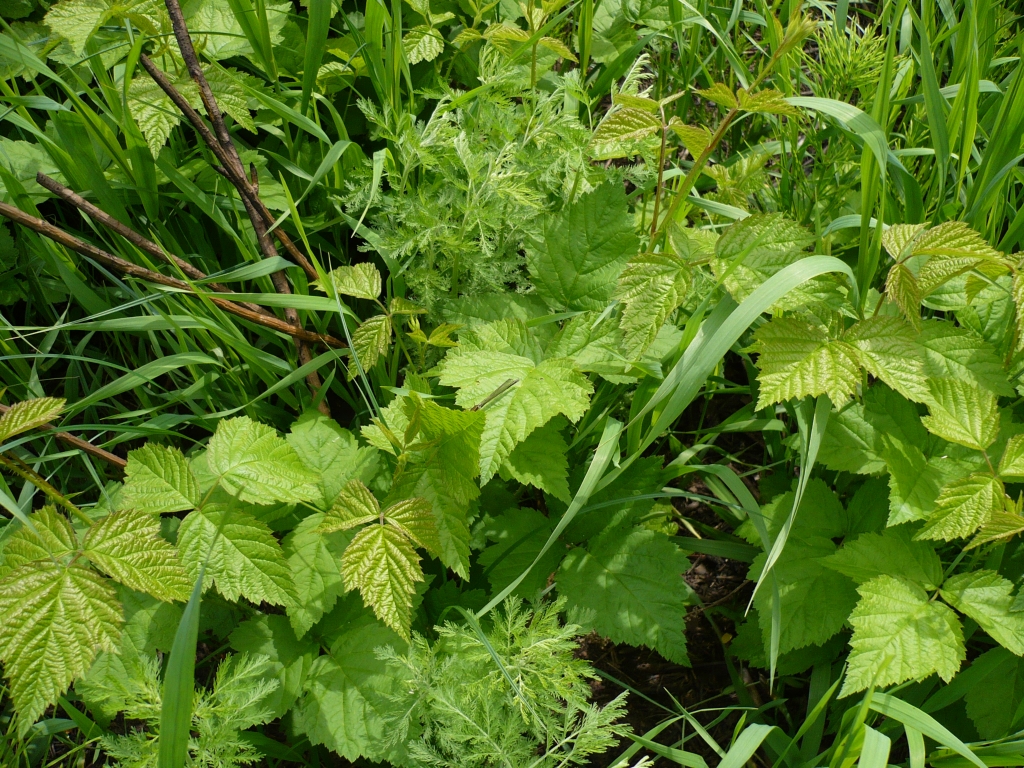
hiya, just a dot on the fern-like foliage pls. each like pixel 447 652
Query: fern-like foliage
pixel 513 695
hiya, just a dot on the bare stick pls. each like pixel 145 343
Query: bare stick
pixel 126 267
pixel 79 443
pixel 133 237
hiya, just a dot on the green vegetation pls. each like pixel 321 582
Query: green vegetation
pixel 520 384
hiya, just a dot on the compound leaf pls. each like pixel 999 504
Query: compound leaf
pixel 900 634
pixel 314 559
pixel 158 479
pixel 382 564
pixel 127 545
pixel 963 506
pixel 987 598
pixel 961 412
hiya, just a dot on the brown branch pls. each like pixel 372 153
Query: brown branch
pixel 79 443
pixel 133 237
pixel 58 235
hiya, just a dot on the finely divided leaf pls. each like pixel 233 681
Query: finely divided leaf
pixel 127 545
pixel 158 479
pixel 257 465
pixel 900 634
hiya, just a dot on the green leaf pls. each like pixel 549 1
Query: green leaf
pixel 815 600
pixel 720 94
pixel 651 286
pixel 583 250
pixel 344 701
pixel 53 539
pixel 889 351
pixel 630 588
pixel 442 473
pixel 962 413
pixel 540 461
pixel 955 352
pixel 241 554
pixel 914 480
pixel 767 100
pixel 518 536
pixel 127 545
pixel 415 519
pixel 76 20
pixel 158 479
pixel 540 392
pixel 695 138
pixel 56 618
pixel 332 453
pixel 890 553
pixel 963 506
pixel 900 634
pixel 314 560
pixel 290 658
pixel 987 598
pixel 1012 463
pixel 994 701
pixel 625 124
pixel 356 505
pixel 382 564
pixel 29 414
pixel 370 342
pixel 422 43
pixel 255 464
pixel 360 280
pixel 754 249
pixel 798 360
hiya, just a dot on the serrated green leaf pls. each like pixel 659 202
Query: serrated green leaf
pixel 154 112
pixel 890 553
pixel 1012 462
pixel 370 342
pixel 898 238
pixel 76 20
pixel 557 47
pixel 955 352
pixel 902 288
pixel 798 359
pixel 815 600
pixel 994 700
pixel 626 124
pixel 360 280
pixel 314 560
pixel 963 506
pixel 914 481
pixel 29 414
pixel 767 100
pixel 442 473
pixel 518 536
pixel 1000 525
pixel 651 286
pixel 540 461
pixel 254 463
pixel 695 138
pixel 56 618
pixel 53 539
pixel 331 452
pixel 415 519
pixel 630 588
pixel 962 413
pixel 889 351
pixel 422 43
pixel 900 634
pixel 583 249
pixel 720 94
pixel 987 598
pixel 158 479
pixel 382 564
pixel 356 505
pixel 345 696
pixel 127 546
pixel 241 554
